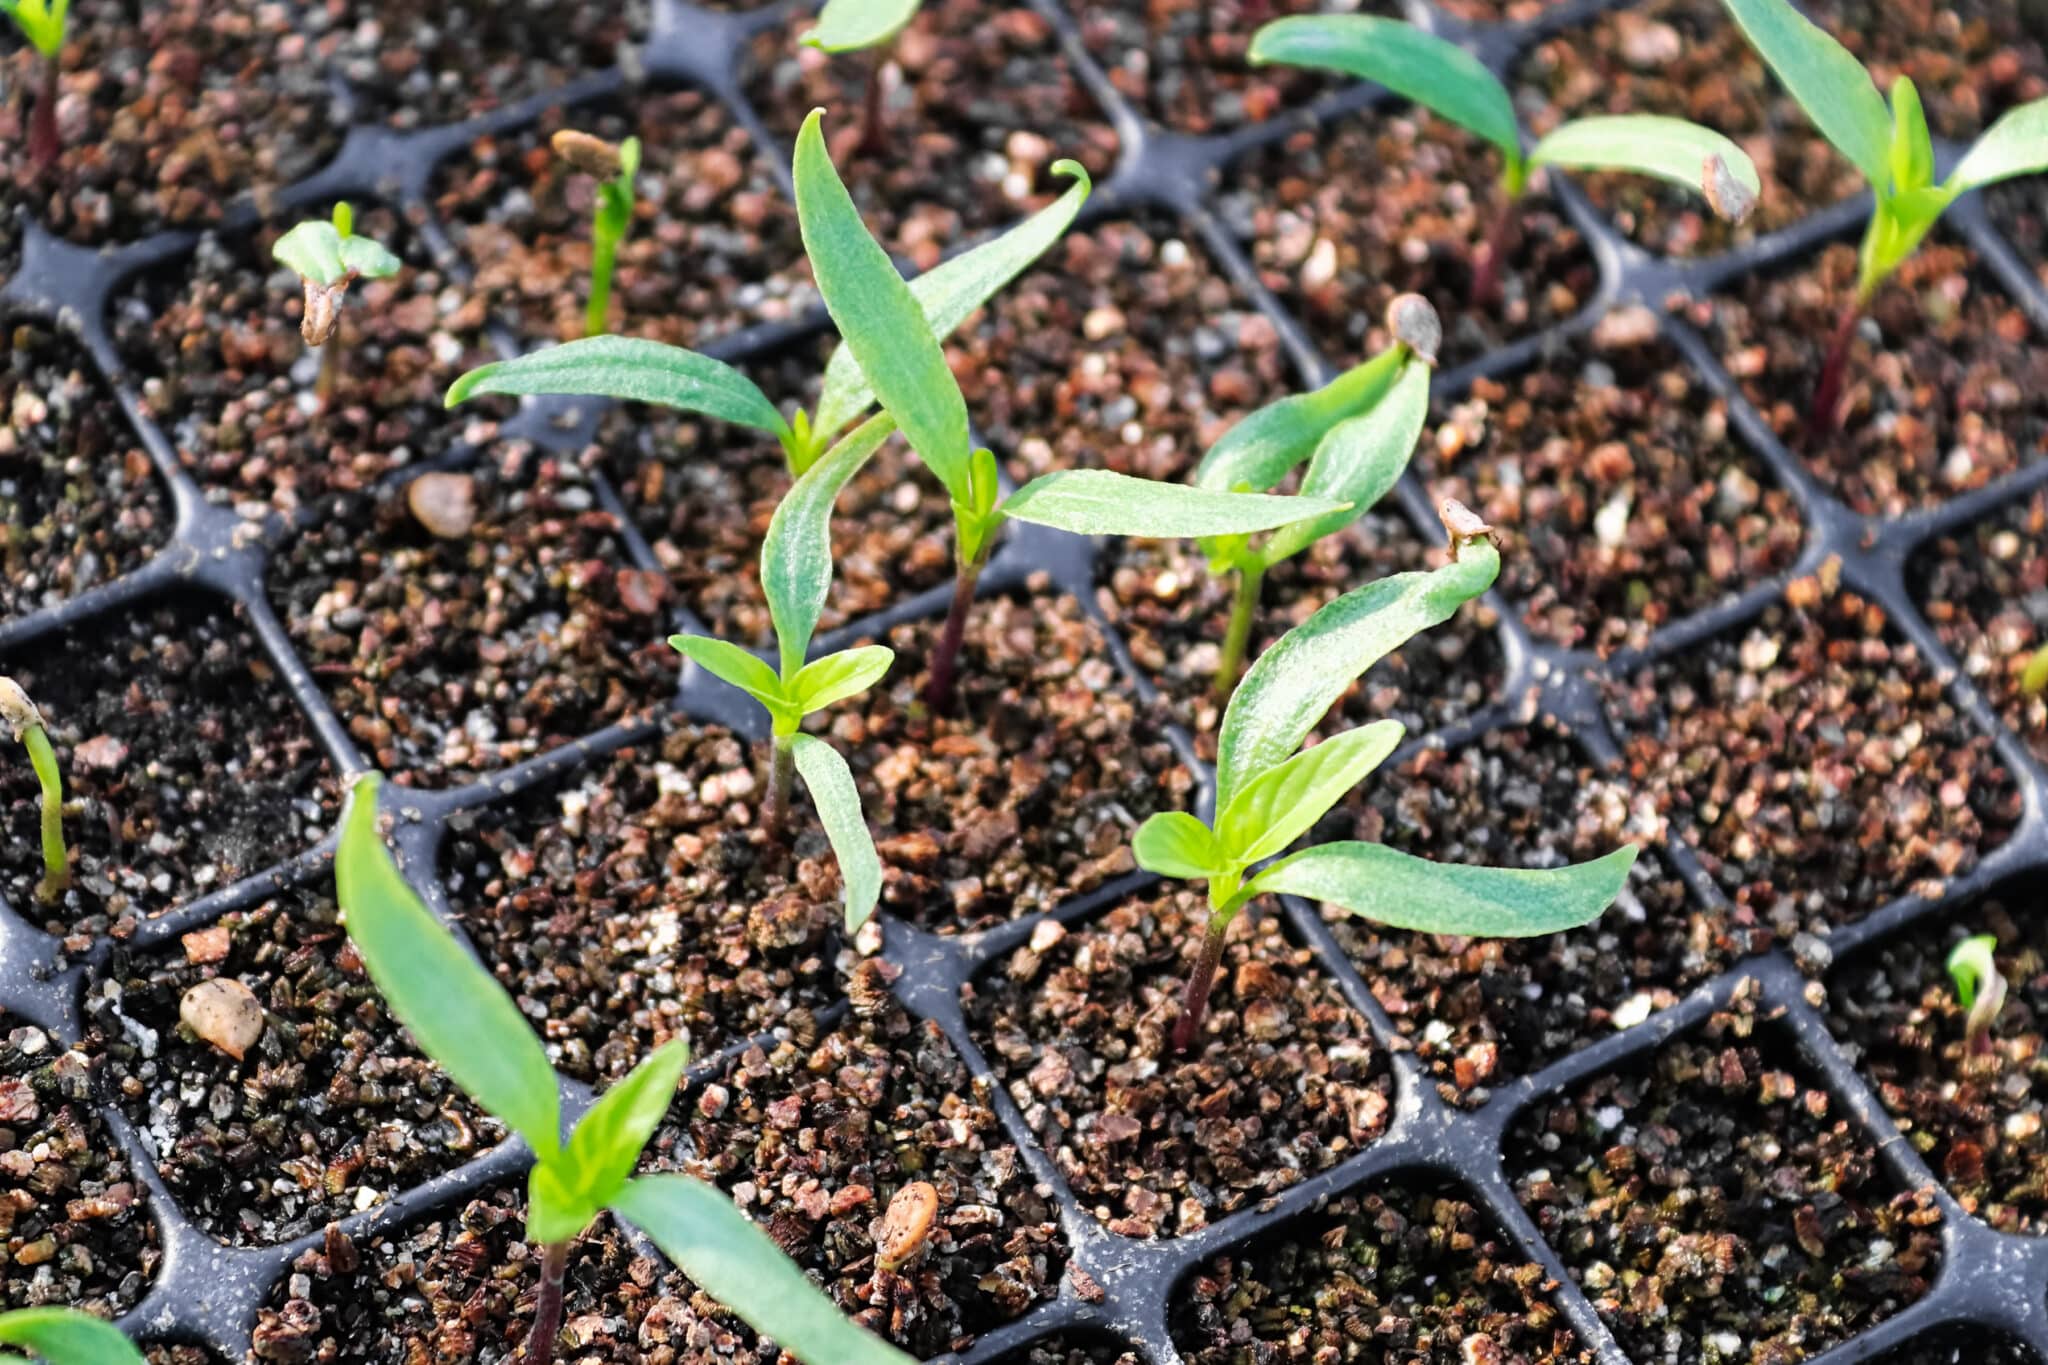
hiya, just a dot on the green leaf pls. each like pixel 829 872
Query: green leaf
pixel 836 677
pixel 65 1336
pixel 2034 677
pixel 951 291
pixel 456 1011
pixel 733 1261
pixel 796 555
pixel 312 251
pixel 1912 153
pixel 1294 681
pixel 1670 149
pixel 605 1146
pixel 1100 502
pixel 1282 803
pixel 850 25
pixel 2015 145
pixel 1436 74
pixel 1357 462
pixel 41 23
pixel 370 260
pixel 1176 844
pixel 1830 85
pixel 731 664
pixel 1403 892
pixel 838 801
pixel 1260 450
pixel 878 317
pixel 630 368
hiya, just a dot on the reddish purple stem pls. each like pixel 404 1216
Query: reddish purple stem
pixel 43 142
pixel 1486 290
pixel 547 1305
pixel 938 689
pixel 1822 417
pixel 1195 1004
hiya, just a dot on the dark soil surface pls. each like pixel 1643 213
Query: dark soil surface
pixel 2019 208
pixel 1622 500
pixel 1285 1081
pixel 331 1112
pixel 1971 60
pixel 1073 1350
pixel 449 658
pixel 1026 794
pixel 80 503
pixel 170 111
pixel 1483 1011
pixel 979 104
pixel 186 766
pixel 1951 1345
pixel 1397 1274
pixel 222 368
pixel 1975 1115
pixel 1814 763
pixel 1717 1208
pixel 713 246
pixel 1340 220
pixel 636 903
pixel 1946 387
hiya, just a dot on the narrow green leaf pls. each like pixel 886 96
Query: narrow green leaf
pixel 1912 153
pixel 312 251
pixel 1294 681
pixel 371 260
pixel 1403 892
pixel 832 791
pixel 952 290
pixel 1176 844
pixel 731 664
pixel 878 317
pixel 458 1014
pixel 734 1262
pixel 1358 461
pixel 1436 74
pixel 1282 803
pixel 2015 145
pixel 850 25
pixel 1670 149
pixel 1830 84
pixel 2034 677
pixel 1260 450
pixel 606 1145
pixel 1101 502
pixel 796 555
pixel 630 368
pixel 66 1336
pixel 836 677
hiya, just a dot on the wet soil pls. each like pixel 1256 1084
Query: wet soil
pixel 2019 209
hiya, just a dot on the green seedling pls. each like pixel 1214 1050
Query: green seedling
pixel 42 23
pixel 20 714
pixel 1979 986
pixel 1893 149
pixel 462 1018
pixel 63 1336
pixel 1268 795
pixel 2034 677
pixel 796 574
pixel 859 26
pixel 328 257
pixel 1446 79
pixel 614 167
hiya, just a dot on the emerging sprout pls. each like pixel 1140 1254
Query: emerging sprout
pixel 2034 677
pixel 42 23
pixel 1268 795
pixel 463 1019
pixel 64 1336
pixel 1892 148
pixel 328 257
pixel 1978 986
pixel 19 714
pixel 855 25
pixel 1448 80
pixel 614 167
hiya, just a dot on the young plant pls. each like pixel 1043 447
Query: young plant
pixel 1891 147
pixel 614 167
pixel 64 1336
pixel 2034 676
pixel 796 574
pixel 328 257
pixel 463 1019
pixel 42 23
pixel 1268 795
pixel 860 25
pixel 20 714
pixel 1979 986
pixel 1446 79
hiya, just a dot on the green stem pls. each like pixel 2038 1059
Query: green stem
pixel 604 250
pixel 781 785
pixel 56 864
pixel 1244 606
pixel 1195 1001
pixel 547 1306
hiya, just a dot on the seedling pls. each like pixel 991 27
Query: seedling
pixel 329 257
pixel 2034 677
pixel 1446 79
pixel 614 167
pixel 1979 986
pixel 796 574
pixel 1891 147
pixel 462 1018
pixel 21 715
pixel 1268 795
pixel 860 25
pixel 42 23
pixel 64 1336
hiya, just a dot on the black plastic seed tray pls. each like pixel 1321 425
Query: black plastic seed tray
pixel 210 1294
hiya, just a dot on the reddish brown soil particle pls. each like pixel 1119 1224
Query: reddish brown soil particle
pixel 1285 1080
pixel 1985 589
pixel 1971 60
pixel 1405 1274
pixel 1717 1207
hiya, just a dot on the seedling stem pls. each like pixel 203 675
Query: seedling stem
pixel 43 141
pixel 874 120
pixel 1195 1002
pixel 1244 606
pixel 547 1305
pixel 18 712
pixel 1823 416
pixel 781 782
pixel 938 688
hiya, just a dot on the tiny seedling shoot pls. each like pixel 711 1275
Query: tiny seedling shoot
pixel 328 257
pixel 614 167
pixel 42 23
pixel 857 26
pixel 63 1336
pixel 463 1019
pixel 20 714
pixel 1268 795
pixel 1446 79
pixel 1979 986
pixel 1894 151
